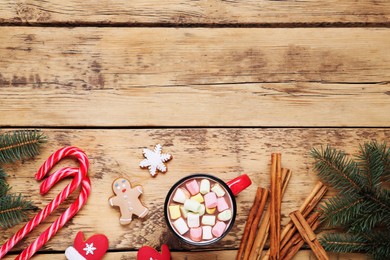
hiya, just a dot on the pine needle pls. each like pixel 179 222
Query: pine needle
pixel 362 207
pixel 13 210
pixel 20 145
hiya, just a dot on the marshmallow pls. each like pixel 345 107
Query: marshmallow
pixel 180 226
pixel 192 205
pixel 193 187
pixel 183 211
pixel 198 197
pixel 174 211
pixel 208 220
pixel 204 186
pixel 222 204
pixel 218 190
pixel 211 211
pixel 225 215
pixel 210 199
pixel 192 219
pixel 219 228
pixel 206 233
pixel 202 210
pixel 181 195
pixel 196 234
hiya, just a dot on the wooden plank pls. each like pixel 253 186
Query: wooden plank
pixel 225 153
pixel 151 76
pixel 212 255
pixel 194 12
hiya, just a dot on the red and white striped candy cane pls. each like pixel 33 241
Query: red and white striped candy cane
pixel 79 177
pixel 64 218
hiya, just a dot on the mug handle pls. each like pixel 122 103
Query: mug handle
pixel 239 184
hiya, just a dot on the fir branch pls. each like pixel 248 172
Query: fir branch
pixel 339 210
pixel 20 145
pixel 335 169
pixel 4 187
pixel 13 210
pixel 362 207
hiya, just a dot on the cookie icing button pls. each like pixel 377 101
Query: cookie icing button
pixel 210 200
pixel 208 220
pixel 155 160
pixel 174 211
pixel 126 198
pixel 193 219
pixel 225 215
pixel 218 190
pixel 219 228
pixel 222 204
pixel 206 233
pixel 196 234
pixel 204 186
pixel 193 187
pixel 180 226
pixel 180 196
pixel 192 205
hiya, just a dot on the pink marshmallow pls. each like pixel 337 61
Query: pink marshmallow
pixel 193 187
pixel 196 234
pixel 222 204
pixel 210 199
pixel 219 228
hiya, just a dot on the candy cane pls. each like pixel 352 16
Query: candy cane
pixel 79 177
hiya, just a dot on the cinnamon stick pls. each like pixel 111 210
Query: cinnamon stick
pixel 307 206
pixel 296 242
pixel 308 235
pixel 262 233
pixel 255 223
pixel 275 206
pixel 248 225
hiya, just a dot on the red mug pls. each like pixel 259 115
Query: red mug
pixel 230 190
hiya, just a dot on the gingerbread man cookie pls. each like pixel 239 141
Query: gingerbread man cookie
pixel 127 200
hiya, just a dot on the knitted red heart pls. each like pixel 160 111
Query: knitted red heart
pixel 93 248
pixel 149 253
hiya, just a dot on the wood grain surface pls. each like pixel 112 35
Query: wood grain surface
pixel 212 255
pixel 194 77
pixel 212 12
pixel 225 153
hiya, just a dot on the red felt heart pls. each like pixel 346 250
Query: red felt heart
pixel 93 248
pixel 149 253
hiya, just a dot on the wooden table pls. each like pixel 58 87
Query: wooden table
pixel 220 84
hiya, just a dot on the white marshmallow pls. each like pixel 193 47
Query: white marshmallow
pixel 202 210
pixel 180 226
pixel 218 190
pixel 225 215
pixel 208 220
pixel 206 233
pixel 193 219
pixel 192 205
pixel 180 196
pixel 204 186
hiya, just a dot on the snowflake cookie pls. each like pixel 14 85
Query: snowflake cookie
pixel 155 160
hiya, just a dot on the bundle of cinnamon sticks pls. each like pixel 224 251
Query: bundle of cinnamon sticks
pixel 286 243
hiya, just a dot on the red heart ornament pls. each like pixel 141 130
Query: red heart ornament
pixel 94 248
pixel 149 253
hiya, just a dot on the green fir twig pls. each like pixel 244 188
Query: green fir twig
pixel 20 145
pixel 13 210
pixel 362 205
